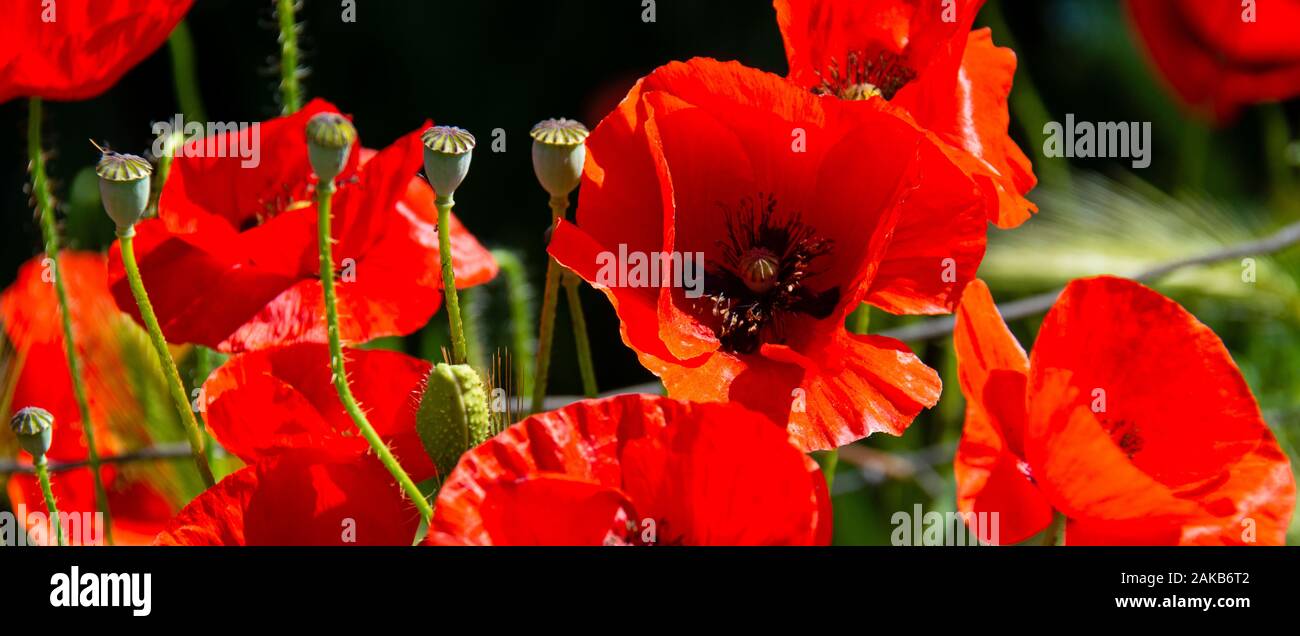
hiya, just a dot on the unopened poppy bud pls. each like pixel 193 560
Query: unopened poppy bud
pixel 559 151
pixel 453 416
pixel 330 137
pixel 34 427
pixel 447 153
pixel 123 187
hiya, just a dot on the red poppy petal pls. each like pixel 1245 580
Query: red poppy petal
pixel 473 263
pixel 545 510
pixel 299 498
pixel 991 479
pixel 991 366
pixel 264 403
pixel 77 49
pixel 969 112
pixel 939 241
pixel 588 442
pixel 716 480
pixel 1127 420
pixel 139 510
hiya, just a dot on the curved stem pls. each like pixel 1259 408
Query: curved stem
pixel 324 195
pixel 585 365
pixel 290 92
pixel 861 319
pixel 177 389
pixel 1055 533
pixel 445 204
pixel 550 299
pixel 43 474
pixel 50 232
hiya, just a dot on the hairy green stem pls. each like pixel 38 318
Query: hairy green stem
pixel 519 295
pixel 177 388
pixel 445 203
pixel 290 91
pixel 585 365
pixel 50 232
pixel 324 196
pixel 860 319
pixel 43 474
pixel 1055 533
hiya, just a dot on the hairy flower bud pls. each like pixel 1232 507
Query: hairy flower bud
pixel 453 416
pixel 559 152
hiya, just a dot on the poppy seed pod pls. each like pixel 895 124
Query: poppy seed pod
pixel 330 137
pixel 559 152
pixel 34 427
pixel 447 153
pixel 453 416
pixel 124 187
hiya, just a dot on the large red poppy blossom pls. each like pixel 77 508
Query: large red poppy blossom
pixel 635 469
pixel 302 497
pixel 801 208
pixel 1130 418
pixel 1220 56
pixel 30 314
pixel 77 49
pixel 922 56
pixel 262 404
pixel 232 263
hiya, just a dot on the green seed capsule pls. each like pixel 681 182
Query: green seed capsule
pixel 330 137
pixel 34 427
pixel 447 154
pixel 124 187
pixel 559 152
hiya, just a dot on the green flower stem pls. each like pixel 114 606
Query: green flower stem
pixel 861 319
pixel 50 231
pixel 828 460
pixel 127 240
pixel 290 92
pixel 550 300
pixel 1055 533
pixel 43 474
pixel 519 296
pixel 181 47
pixel 458 348
pixel 324 196
pixel 585 365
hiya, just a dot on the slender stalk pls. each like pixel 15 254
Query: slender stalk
pixel 828 460
pixel 290 91
pixel 585 365
pixel 1277 136
pixel 324 196
pixel 861 319
pixel 1055 533
pixel 445 204
pixel 181 47
pixel 550 299
pixel 43 474
pixel 519 296
pixel 177 388
pixel 50 232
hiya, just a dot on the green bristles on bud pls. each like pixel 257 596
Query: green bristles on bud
pixel 124 187
pixel 330 137
pixel 34 427
pixel 453 416
pixel 558 154
pixel 447 154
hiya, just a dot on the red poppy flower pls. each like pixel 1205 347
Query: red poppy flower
pixel 800 208
pixel 1220 56
pixel 923 57
pixel 264 403
pixel 77 49
pixel 231 263
pixel 30 314
pixel 635 469
pixel 1130 418
pixel 301 497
